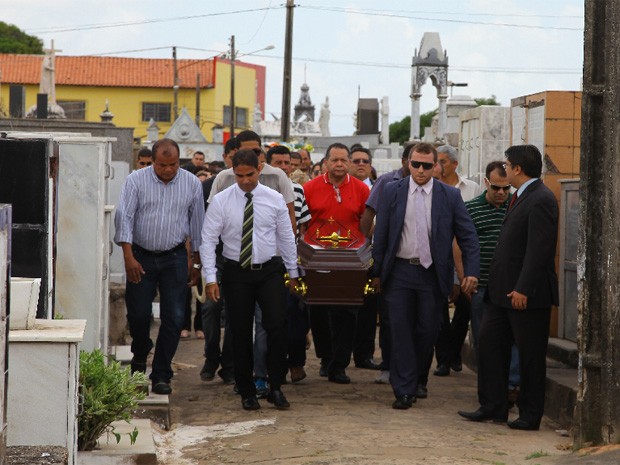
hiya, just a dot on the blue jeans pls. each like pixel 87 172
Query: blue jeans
pixel 477 309
pixel 168 274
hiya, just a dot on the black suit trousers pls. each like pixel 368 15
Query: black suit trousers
pixel 529 329
pixel 243 288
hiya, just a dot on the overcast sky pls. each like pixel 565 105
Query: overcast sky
pixel 505 48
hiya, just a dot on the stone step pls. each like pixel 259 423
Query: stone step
pixel 143 452
pixel 561 385
pixel 154 406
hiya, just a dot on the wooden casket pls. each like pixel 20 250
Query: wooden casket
pixel 336 272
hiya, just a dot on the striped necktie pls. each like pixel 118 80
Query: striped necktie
pixel 245 257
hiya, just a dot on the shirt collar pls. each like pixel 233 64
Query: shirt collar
pixel 242 193
pixel 327 181
pixel 524 186
pixel 428 187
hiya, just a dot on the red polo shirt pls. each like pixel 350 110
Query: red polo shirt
pixel 335 210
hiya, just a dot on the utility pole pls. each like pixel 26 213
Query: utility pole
pixel 286 81
pixel 198 99
pixel 597 413
pixel 233 53
pixel 175 85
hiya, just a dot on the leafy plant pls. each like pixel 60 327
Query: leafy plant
pixel 109 393
pixel 535 455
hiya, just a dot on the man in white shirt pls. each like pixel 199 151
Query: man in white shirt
pixel 253 223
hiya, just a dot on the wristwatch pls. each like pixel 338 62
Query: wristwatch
pixel 197 266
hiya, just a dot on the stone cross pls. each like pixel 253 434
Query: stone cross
pixel 48 75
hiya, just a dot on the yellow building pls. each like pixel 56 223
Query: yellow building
pixel 139 89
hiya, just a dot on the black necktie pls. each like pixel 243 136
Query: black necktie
pixel 245 257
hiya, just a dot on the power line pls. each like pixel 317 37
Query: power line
pixel 471 69
pixel 87 27
pixel 477 69
pixel 461 13
pixel 459 21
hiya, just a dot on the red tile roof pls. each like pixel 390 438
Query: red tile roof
pixel 108 71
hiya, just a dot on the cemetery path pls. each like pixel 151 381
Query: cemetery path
pixel 341 424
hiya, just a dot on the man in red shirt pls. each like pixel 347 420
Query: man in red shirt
pixel 336 202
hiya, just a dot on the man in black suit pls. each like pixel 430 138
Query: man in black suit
pixel 522 287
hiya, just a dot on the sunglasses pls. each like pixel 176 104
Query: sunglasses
pixel 496 188
pixel 359 161
pixel 427 166
pixel 258 152
pixel 145 163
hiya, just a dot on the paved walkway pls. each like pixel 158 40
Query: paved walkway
pixel 342 424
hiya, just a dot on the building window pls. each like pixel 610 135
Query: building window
pixel 241 117
pixel 157 111
pixel 74 109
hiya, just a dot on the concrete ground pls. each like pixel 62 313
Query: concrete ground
pixel 343 424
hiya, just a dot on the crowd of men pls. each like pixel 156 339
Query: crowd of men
pixel 437 239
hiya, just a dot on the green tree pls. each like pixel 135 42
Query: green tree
pixel 426 119
pixel 492 100
pixel 400 130
pixel 14 40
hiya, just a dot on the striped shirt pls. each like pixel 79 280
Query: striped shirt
pixel 488 220
pixel 302 213
pixel 158 216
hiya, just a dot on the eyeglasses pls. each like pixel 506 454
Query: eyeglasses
pixel 258 152
pixel 359 161
pixel 496 188
pixel 427 166
pixel 506 164
pixel 145 163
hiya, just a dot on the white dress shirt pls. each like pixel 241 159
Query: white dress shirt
pixel 469 189
pixel 408 247
pixel 272 231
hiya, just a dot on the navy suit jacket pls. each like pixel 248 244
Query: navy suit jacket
pixel 449 219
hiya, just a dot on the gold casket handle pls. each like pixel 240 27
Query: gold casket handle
pixel 301 288
pixel 368 288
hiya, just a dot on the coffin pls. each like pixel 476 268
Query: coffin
pixel 334 275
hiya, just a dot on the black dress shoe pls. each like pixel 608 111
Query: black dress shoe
pixel 227 377
pixel 250 403
pixel 323 371
pixel 441 370
pixel 482 415
pixel 421 392
pixel 367 364
pixel 339 377
pixel 403 402
pixel 276 398
pixel 138 365
pixel 456 366
pixel 524 425
pixel 207 373
pixel 161 386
